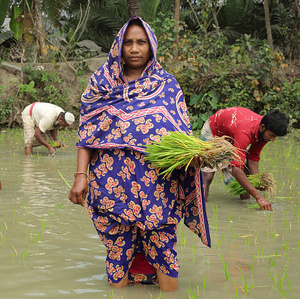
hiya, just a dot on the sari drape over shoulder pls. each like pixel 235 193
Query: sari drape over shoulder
pixel 119 115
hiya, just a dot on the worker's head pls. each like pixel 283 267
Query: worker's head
pixel 273 124
pixel 65 119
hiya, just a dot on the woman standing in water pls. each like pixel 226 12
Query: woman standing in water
pixel 129 102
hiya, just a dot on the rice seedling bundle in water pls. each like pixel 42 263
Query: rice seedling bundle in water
pixel 178 149
pixel 258 180
pixel 55 144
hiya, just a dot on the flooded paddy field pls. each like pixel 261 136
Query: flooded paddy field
pixel 49 248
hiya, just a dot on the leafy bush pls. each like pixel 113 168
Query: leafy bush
pixel 43 86
pixel 215 75
pixel 6 104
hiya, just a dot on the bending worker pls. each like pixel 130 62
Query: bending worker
pixel 40 122
pixel 245 128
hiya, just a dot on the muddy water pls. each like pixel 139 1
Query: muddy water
pixel 49 249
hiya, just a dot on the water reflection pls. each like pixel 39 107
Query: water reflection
pixel 49 248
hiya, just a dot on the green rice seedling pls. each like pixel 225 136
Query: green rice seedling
pixel 288 282
pixel 111 294
pixel 25 253
pixel 193 293
pixel 55 144
pixel 15 251
pixel 3 233
pixel 233 232
pixel 220 241
pixel 64 179
pixel 245 287
pixel 258 180
pixel 206 261
pixel 297 248
pixel 215 223
pixel 2 238
pixel 247 242
pixel 262 251
pixel 280 286
pixel 178 149
pixel 225 266
pixel 183 240
pixel 273 260
pixel 236 290
pixel 253 263
pixel 215 210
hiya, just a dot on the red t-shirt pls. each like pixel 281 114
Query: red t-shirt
pixel 241 125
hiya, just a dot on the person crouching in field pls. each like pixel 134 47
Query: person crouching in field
pixel 244 127
pixel 40 122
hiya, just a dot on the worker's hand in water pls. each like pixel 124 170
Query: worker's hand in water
pixel 51 151
pixel 264 204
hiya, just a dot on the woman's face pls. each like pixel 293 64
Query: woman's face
pixel 136 48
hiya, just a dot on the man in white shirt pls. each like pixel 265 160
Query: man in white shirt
pixel 40 122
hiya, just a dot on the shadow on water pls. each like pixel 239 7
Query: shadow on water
pixel 49 247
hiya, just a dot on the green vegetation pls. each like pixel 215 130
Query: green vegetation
pixel 263 181
pixel 179 149
pixel 218 74
pixel 218 52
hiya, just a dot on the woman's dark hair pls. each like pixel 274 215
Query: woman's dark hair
pixel 276 122
pixel 137 22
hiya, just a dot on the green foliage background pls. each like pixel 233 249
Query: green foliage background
pixel 215 75
pixel 217 66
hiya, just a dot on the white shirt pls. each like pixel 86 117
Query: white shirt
pixel 45 116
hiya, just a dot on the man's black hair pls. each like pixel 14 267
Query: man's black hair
pixel 276 122
pixel 62 115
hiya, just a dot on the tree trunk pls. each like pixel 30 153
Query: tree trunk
pixel 177 18
pixel 133 8
pixel 28 25
pixel 215 7
pixel 297 8
pixel 177 10
pixel 268 24
pixel 39 27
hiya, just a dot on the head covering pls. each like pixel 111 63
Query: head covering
pixel 69 118
pixel 115 114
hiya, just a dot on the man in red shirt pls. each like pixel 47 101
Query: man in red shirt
pixel 245 128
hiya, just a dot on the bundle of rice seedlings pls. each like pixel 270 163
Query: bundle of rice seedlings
pixel 178 149
pixel 54 144
pixel 258 180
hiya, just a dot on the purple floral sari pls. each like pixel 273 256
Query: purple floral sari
pixel 118 120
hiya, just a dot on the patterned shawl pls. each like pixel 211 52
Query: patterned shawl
pixel 115 114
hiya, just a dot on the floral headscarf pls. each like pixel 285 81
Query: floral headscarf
pixel 115 114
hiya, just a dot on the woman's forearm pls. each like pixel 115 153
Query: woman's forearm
pixel 83 159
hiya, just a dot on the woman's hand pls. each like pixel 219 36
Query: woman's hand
pixel 198 162
pixel 79 190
